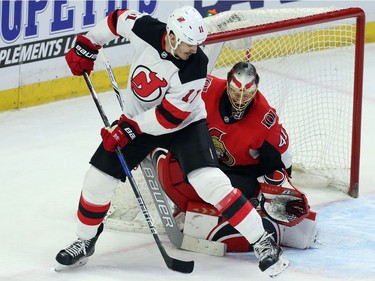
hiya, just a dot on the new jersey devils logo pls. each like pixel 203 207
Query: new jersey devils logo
pixel 146 85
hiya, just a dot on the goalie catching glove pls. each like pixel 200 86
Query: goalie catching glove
pixel 120 134
pixel 82 56
pixel 281 201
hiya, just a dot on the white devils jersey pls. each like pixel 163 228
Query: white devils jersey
pixel 163 93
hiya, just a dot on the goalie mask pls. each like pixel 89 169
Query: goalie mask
pixel 242 85
pixel 187 25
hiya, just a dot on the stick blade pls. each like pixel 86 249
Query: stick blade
pixel 181 266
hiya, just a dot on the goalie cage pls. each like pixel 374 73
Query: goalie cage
pixel 310 61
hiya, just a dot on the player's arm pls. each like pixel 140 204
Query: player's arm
pixel 118 23
pixel 176 106
pixel 82 56
pixel 281 200
pixel 166 117
pixel 272 159
pixel 274 153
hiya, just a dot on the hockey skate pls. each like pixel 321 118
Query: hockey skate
pixel 270 256
pixel 77 253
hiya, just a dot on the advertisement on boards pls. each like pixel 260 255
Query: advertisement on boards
pixel 36 34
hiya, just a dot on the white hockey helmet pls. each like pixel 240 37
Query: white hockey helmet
pixel 187 25
pixel 242 85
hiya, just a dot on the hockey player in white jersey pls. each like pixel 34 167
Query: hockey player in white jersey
pixel 163 108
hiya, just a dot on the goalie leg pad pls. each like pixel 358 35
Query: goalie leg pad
pixel 303 235
pixel 204 221
pixel 172 180
pixel 200 219
pixel 227 234
pixel 215 188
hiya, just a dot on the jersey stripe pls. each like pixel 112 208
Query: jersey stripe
pixel 91 214
pixel 112 20
pixel 234 207
pixel 170 116
pixel 240 214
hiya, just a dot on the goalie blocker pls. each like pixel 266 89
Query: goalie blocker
pixel 284 209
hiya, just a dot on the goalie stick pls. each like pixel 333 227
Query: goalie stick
pixel 177 238
pixel 172 263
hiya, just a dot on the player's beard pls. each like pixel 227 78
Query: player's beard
pixel 186 56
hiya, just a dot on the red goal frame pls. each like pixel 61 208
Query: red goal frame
pixel 347 13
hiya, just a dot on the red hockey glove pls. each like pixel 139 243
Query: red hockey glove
pixel 120 134
pixel 297 208
pixel 82 56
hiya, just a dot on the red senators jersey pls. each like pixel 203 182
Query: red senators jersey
pixel 163 93
pixel 239 142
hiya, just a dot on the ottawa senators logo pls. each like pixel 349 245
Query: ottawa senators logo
pixel 221 151
pixel 269 119
pixel 146 85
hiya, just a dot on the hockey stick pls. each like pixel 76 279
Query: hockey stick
pixel 112 78
pixel 173 264
pixel 177 238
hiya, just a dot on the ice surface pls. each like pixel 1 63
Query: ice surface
pixel 43 158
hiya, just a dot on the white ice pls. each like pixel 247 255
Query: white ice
pixel 43 158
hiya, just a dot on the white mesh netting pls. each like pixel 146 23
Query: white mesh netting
pixel 306 73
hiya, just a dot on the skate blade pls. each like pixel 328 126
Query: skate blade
pixel 278 267
pixel 61 267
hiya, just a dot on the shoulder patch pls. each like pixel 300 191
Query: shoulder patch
pixel 207 84
pixel 269 119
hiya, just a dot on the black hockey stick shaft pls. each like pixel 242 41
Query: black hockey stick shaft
pixel 173 264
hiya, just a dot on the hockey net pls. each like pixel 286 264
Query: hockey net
pixel 310 62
